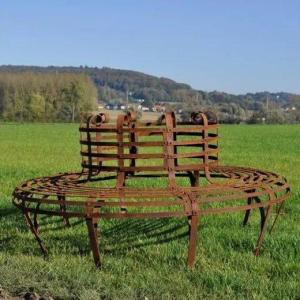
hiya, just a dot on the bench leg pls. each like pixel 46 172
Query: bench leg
pixel 194 178
pixel 276 217
pixel 63 210
pixel 262 213
pixel 93 236
pixel 263 231
pixel 261 210
pixel 35 218
pixel 247 214
pixel 193 230
pixel 35 232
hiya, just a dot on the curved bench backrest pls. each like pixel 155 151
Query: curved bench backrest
pixel 129 146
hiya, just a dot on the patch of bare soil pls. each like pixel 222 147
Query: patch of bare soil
pixel 4 295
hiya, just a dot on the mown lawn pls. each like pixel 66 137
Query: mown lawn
pixel 138 262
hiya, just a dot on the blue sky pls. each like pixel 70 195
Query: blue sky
pixel 232 46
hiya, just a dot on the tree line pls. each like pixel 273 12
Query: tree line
pixel 49 97
pixel 115 86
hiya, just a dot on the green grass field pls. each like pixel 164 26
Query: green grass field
pixel 138 263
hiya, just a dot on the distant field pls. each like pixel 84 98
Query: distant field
pixel 137 262
pixel 147 116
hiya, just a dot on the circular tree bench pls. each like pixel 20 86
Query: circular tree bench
pixel 183 155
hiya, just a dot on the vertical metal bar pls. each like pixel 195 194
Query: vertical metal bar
pixel 34 232
pixel 93 236
pixel 276 217
pixel 170 124
pixel 63 210
pixel 247 214
pixel 262 232
pixel 193 230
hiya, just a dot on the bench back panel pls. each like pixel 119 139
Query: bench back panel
pixel 129 146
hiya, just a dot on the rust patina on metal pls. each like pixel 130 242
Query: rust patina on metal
pixel 118 152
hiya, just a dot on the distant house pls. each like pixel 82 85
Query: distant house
pixel 100 105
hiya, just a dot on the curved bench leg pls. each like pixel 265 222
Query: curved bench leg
pixel 262 213
pixel 193 230
pixel 35 232
pixel 35 218
pixel 263 231
pixel 93 236
pixel 261 210
pixel 247 213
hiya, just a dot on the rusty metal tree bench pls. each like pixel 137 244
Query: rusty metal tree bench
pixel 118 152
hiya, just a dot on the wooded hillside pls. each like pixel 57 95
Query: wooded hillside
pixel 30 96
pixel 116 86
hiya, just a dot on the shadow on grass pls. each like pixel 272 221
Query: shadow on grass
pixel 115 238
pixel 139 233
pixel 8 211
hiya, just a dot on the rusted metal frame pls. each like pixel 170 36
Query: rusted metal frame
pixel 216 188
pixel 251 177
pixel 93 121
pixel 150 155
pixel 216 139
pixel 88 191
pixel 193 220
pixel 193 232
pixel 32 228
pixel 52 212
pixel 276 216
pixel 194 178
pixel 160 214
pixel 133 138
pixel 61 189
pixel 121 173
pixel 205 147
pixel 98 139
pixel 150 215
pixel 194 175
pixel 148 130
pixel 98 215
pixel 92 224
pixel 111 192
pixel 35 216
pixel 23 204
pixel 287 190
pixel 63 208
pixel 261 209
pixel 210 211
pixel 129 203
pixel 131 156
pixel 147 143
pixel 265 225
pixel 120 139
pixel 89 147
pixel 262 212
pixel 193 167
pixel 168 137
